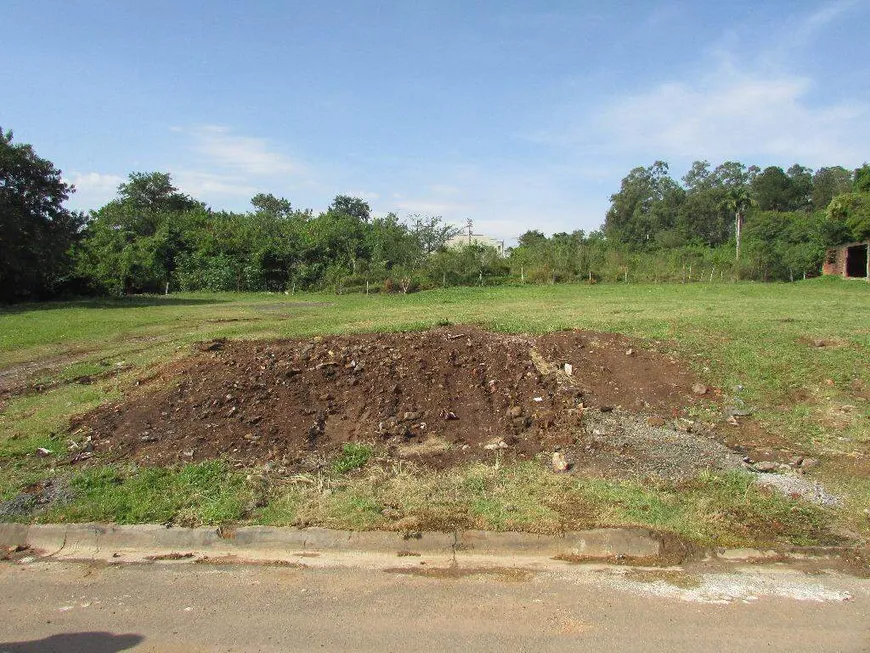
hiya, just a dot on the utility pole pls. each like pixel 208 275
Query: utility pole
pixel 469 224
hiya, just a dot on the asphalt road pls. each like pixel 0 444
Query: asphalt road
pixel 102 608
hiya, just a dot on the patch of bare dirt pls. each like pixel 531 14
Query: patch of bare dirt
pixel 830 343
pixel 20 379
pixel 455 572
pixel 751 440
pixel 15 379
pixel 442 396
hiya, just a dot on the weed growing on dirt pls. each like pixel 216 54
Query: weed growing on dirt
pixel 353 456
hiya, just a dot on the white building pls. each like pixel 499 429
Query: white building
pixel 478 239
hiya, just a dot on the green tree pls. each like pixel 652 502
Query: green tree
pixel 733 174
pixel 647 202
pixel 801 192
pixel 703 217
pixel 36 230
pixel 772 190
pixel 390 243
pixel 351 206
pixel 828 183
pixel 852 210
pixel 269 204
pixel 431 232
pixel 699 177
pixel 531 238
pixel 861 182
pixel 786 245
pixel 153 193
pixel 133 243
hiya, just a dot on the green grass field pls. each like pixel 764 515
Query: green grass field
pixel 758 336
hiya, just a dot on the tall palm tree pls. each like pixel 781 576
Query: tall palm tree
pixel 738 201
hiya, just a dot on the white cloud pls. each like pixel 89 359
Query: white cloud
pixel 740 102
pixel 432 207
pixel 731 114
pixel 201 184
pixel 503 198
pixel 367 195
pixel 445 189
pixel 807 27
pixel 93 189
pixel 223 168
pixel 244 154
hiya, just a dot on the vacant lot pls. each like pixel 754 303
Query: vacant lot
pixel 139 410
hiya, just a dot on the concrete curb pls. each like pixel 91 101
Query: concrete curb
pixel 150 541
pixel 89 540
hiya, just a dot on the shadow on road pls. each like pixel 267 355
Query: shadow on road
pixel 74 643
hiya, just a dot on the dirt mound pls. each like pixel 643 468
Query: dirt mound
pixel 441 396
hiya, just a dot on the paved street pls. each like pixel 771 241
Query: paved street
pixel 179 606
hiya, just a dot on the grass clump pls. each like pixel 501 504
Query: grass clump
pixel 195 494
pixel 353 456
pixel 714 509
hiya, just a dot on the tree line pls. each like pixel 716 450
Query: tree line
pixel 777 222
pixel 153 238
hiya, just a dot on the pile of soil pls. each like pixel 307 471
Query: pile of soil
pixel 441 396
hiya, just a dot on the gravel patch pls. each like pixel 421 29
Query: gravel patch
pixel 623 444
pixel 793 485
pixel 18 506
pixel 44 493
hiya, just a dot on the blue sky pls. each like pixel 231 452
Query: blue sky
pixel 517 115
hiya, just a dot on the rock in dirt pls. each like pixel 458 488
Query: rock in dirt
pixel 766 466
pixel 521 422
pixel 810 463
pixel 700 389
pixel 560 464
pixel 211 345
pixel 515 411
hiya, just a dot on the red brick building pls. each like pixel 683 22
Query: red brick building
pixel 850 261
